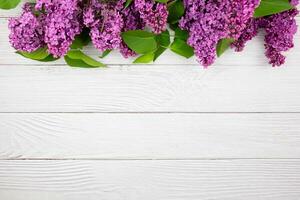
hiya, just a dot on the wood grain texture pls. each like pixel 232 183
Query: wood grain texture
pixel 253 55
pixel 140 118
pixel 149 89
pixel 149 136
pixel 150 180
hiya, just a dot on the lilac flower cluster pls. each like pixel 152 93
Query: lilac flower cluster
pixel 280 30
pixel 56 26
pixel 132 21
pixel 27 33
pixel 155 15
pixel 105 23
pixel 107 20
pixel 62 22
pixel 58 22
pixel 208 21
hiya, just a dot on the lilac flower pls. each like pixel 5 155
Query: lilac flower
pixel 154 14
pixel 239 14
pixel 249 32
pixel 294 2
pixel 280 30
pixel 132 21
pixel 105 23
pixel 208 21
pixel 26 31
pixel 63 21
pixel 142 13
pixel 279 37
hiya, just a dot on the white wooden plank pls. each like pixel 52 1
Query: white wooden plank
pixel 150 180
pixel 252 56
pixel 151 136
pixel 149 89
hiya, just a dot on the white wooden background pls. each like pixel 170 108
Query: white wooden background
pixel 168 131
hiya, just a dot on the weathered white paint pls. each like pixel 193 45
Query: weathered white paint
pixel 149 89
pixel 101 128
pixel 149 136
pixel 150 180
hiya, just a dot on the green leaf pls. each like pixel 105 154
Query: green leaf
pixel 81 40
pixel 49 58
pixel 223 45
pixel 9 4
pixel 270 7
pixel 161 1
pixel 77 43
pixel 76 58
pixel 163 39
pixel 76 63
pixel 105 53
pixel 141 42
pixel 147 58
pixel 181 34
pixel 176 11
pixel 182 48
pixel 158 52
pixel 164 42
pixel 173 26
pixel 128 2
pixel 39 54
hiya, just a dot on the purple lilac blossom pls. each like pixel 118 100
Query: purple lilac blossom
pixel 107 20
pixel 280 30
pixel 132 21
pixel 249 33
pixel 26 31
pixel 142 13
pixel 208 21
pixel 105 23
pixel 154 14
pixel 279 37
pixel 63 21
pixel 294 2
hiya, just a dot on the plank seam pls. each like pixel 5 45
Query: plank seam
pixel 124 65
pixel 144 159
pixel 176 112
